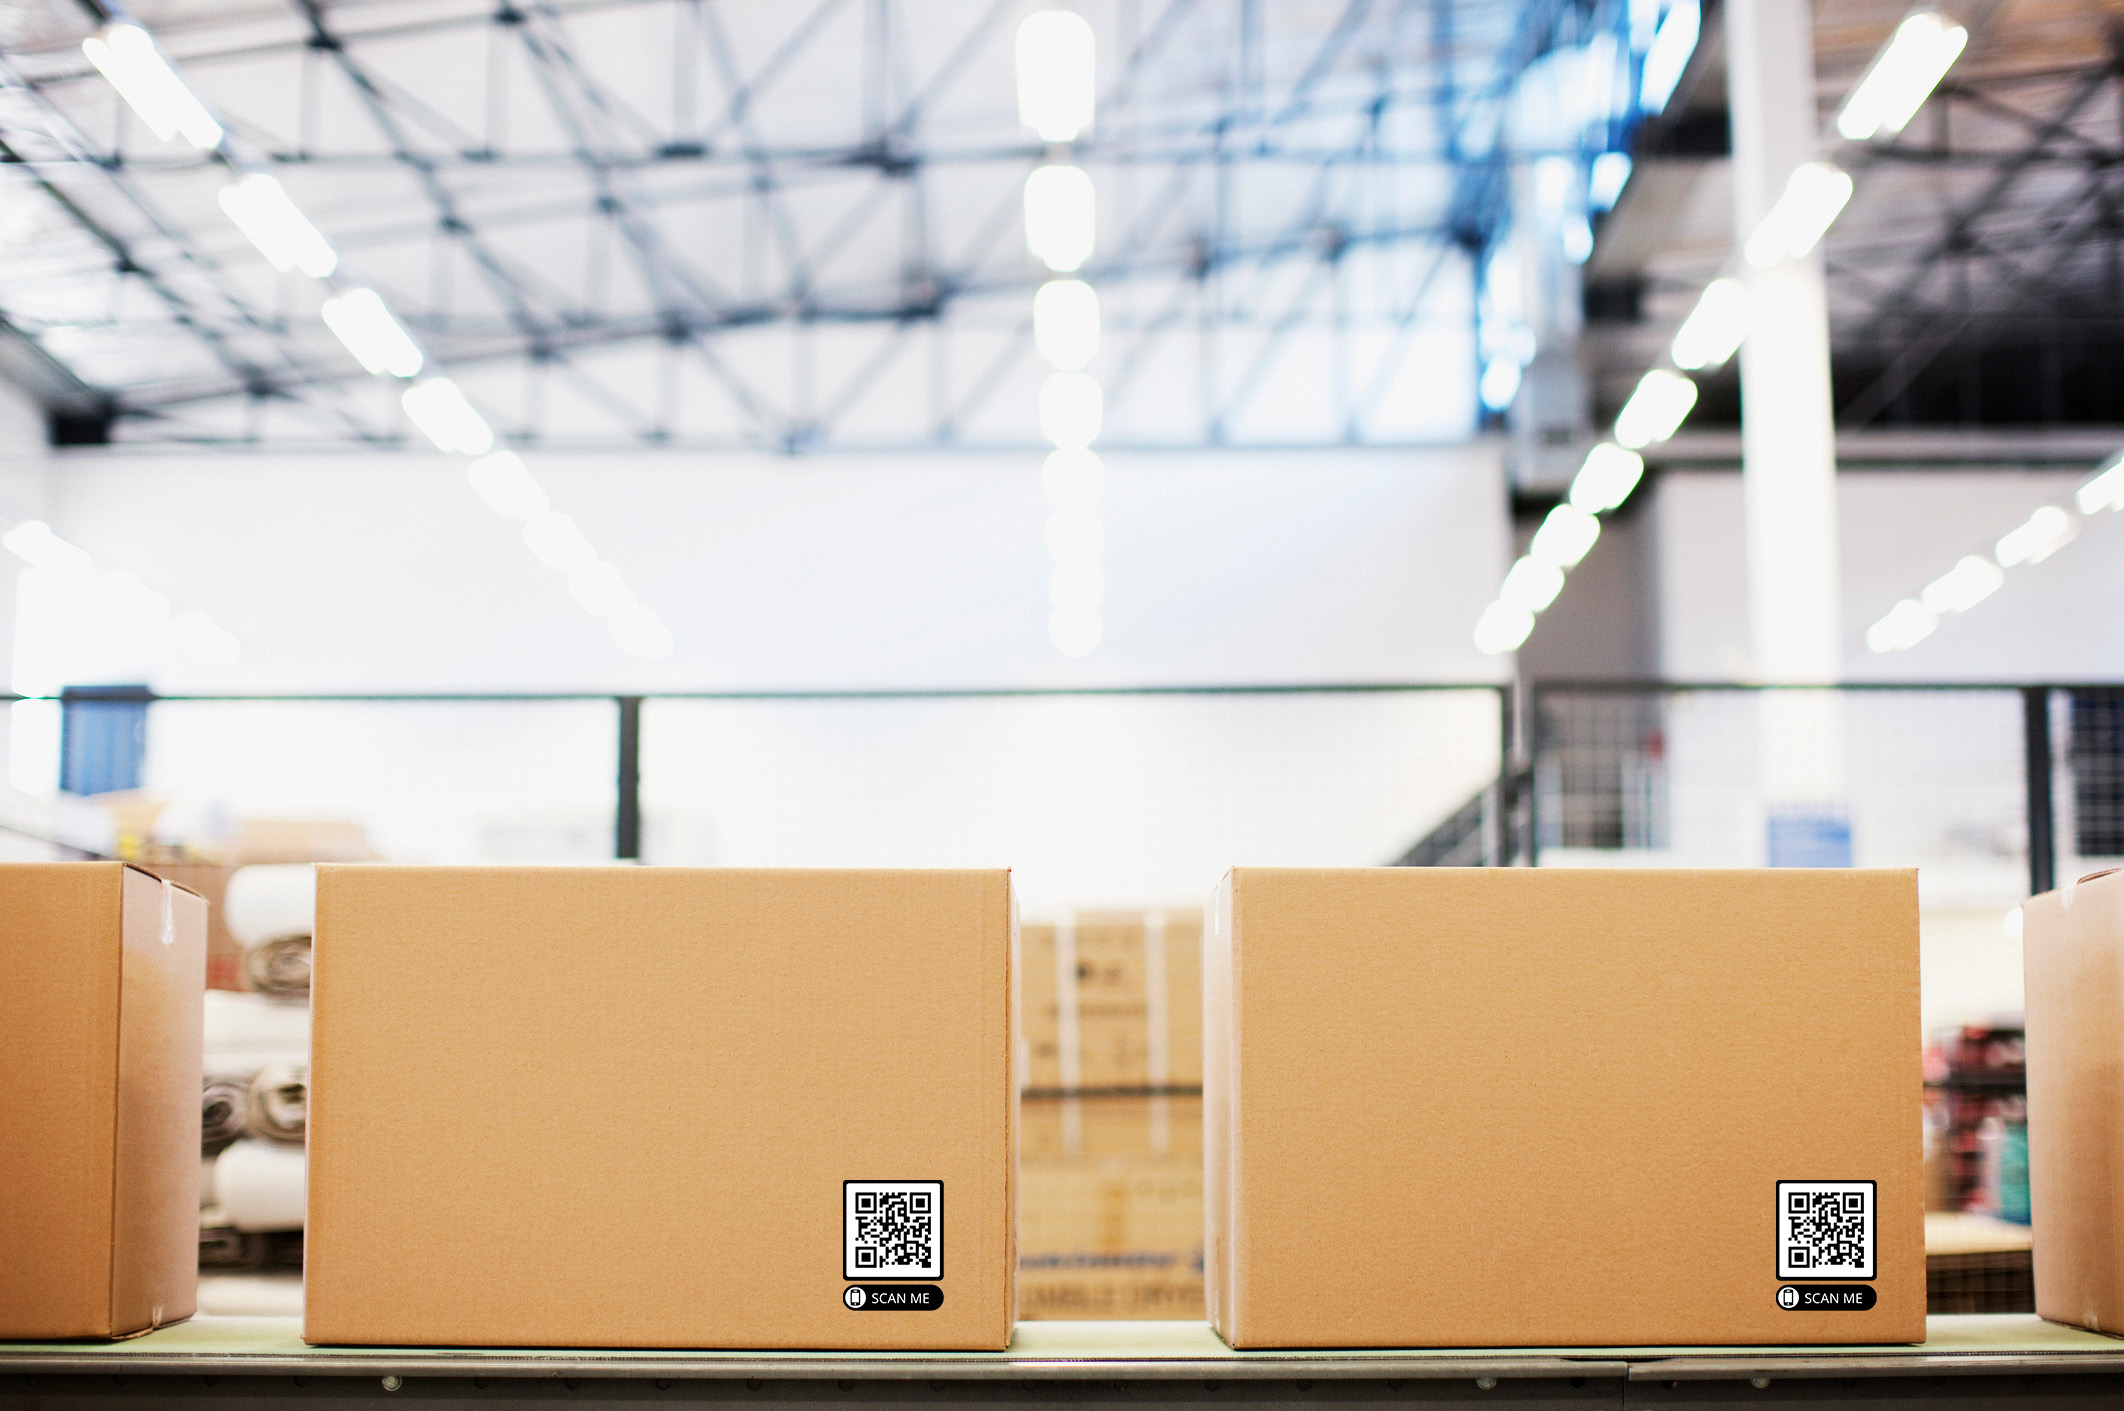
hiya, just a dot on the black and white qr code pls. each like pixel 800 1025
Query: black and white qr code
pixel 892 1229
pixel 1825 1230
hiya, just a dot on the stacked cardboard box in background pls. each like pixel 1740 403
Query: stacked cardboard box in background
pixel 1110 1162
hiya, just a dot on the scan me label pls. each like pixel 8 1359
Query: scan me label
pixel 892 1298
pixel 1825 1298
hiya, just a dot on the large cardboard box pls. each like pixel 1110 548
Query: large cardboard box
pixel 1521 1107
pixel 2072 947
pixel 661 1107
pixel 1113 1002
pixel 100 1018
pixel 1110 1208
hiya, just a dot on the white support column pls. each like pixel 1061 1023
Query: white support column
pixel 1788 438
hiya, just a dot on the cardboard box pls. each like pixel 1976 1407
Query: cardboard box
pixel 649 1107
pixel 1522 1107
pixel 99 1126
pixel 2072 947
pixel 209 880
pixel 1113 1002
pixel 1110 1208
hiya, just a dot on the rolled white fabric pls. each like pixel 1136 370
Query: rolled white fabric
pixel 261 1186
pixel 267 901
pixel 243 1024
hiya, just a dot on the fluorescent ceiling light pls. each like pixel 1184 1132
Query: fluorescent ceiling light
pixel 601 590
pixel 1607 478
pixel 506 486
pixel 272 221
pixel 1531 585
pixel 1075 536
pixel 2047 530
pixel 1075 631
pixel 640 632
pixel 1502 628
pixel 1902 77
pixel 34 542
pixel 1076 584
pixel 1061 216
pixel 1066 323
pixel 2104 492
pixel 1656 409
pixel 555 541
pixel 203 639
pixel 1072 407
pixel 1564 537
pixel 1073 480
pixel 1500 382
pixel 378 341
pixel 1605 180
pixel 1962 587
pixel 1669 55
pixel 1908 623
pixel 126 55
pixel 1057 67
pixel 1716 326
pixel 443 415
pixel 1813 196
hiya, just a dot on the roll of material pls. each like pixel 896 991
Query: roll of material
pixel 221 1112
pixel 267 901
pixel 279 967
pixel 223 1246
pixel 262 1186
pixel 277 1104
pixel 257 1027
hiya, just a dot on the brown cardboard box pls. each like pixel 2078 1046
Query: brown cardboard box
pixel 210 880
pixel 1113 1000
pixel 1110 1208
pixel 99 1099
pixel 2072 947
pixel 622 1107
pixel 1520 1107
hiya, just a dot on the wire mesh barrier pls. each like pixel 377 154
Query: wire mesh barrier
pixel 2087 732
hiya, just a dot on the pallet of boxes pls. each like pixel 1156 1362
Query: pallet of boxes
pixel 1110 1161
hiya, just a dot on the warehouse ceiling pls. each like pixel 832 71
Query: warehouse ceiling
pixel 763 223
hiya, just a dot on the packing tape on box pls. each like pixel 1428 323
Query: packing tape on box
pixel 1159 1060
pixel 269 901
pixel 1068 1037
pixel 261 1186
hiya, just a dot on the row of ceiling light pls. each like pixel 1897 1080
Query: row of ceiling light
pixel 1893 88
pixel 127 55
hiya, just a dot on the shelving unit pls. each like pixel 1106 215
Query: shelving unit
pixel 1982 1360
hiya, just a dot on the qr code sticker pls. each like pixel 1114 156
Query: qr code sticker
pixel 892 1229
pixel 1825 1230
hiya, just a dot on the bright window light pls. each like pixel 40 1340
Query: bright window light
pixel 1057 74
pixel 1066 323
pixel 2014 924
pixel 1656 409
pixel 126 55
pixel 1077 584
pixel 360 319
pixel 1072 406
pixel 1073 480
pixel 270 219
pixel 1061 216
pixel 1075 536
pixel 1605 180
pixel 1908 623
pixel 1500 382
pixel 1531 585
pixel 1715 327
pixel 555 541
pixel 443 415
pixel 1075 631
pixel 33 733
pixel 1607 478
pixel 34 542
pixel 1902 77
pixel 2104 492
pixel 2047 530
pixel 1502 628
pixel 1564 537
pixel 601 590
pixel 640 632
pixel 1669 55
pixel 1962 587
pixel 506 486
pixel 1814 194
